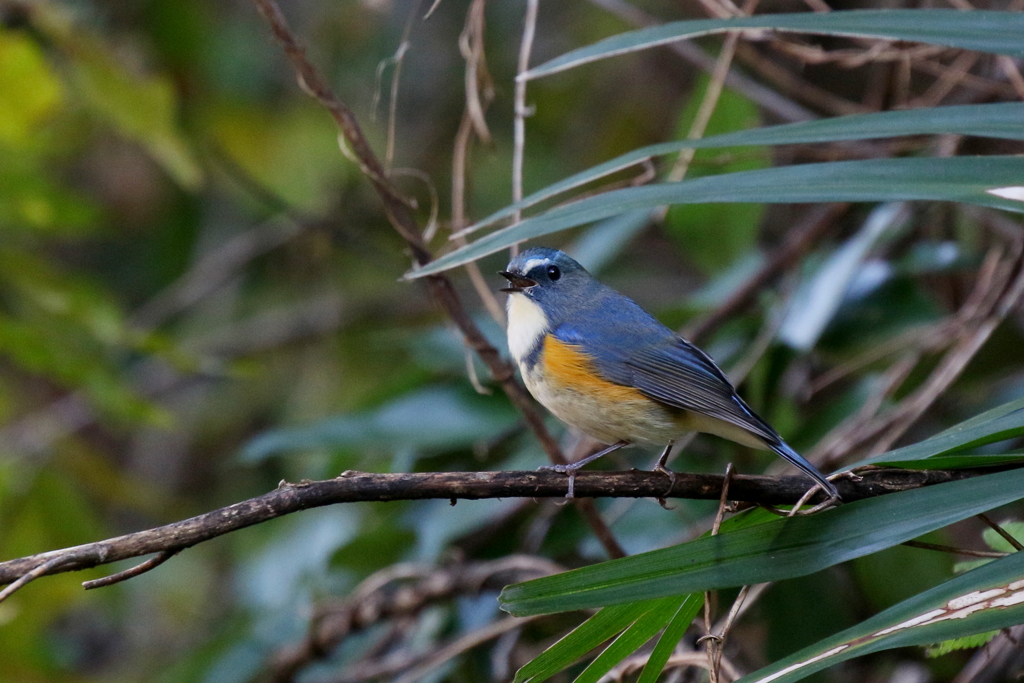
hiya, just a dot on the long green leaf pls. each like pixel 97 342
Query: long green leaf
pixel 1001 120
pixel 998 424
pixel 581 640
pixel 957 461
pixel 984 31
pixel 639 632
pixel 984 599
pixel 670 638
pixel 781 549
pixel 987 181
pixel 618 618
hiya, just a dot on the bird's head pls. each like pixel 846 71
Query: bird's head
pixel 546 276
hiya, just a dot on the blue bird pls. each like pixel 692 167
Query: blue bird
pixel 602 364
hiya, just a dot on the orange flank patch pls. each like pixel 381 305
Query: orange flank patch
pixel 567 366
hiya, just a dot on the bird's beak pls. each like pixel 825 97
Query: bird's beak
pixel 519 283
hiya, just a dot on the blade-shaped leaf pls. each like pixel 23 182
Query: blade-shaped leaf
pixel 990 597
pixel 581 640
pixel 984 31
pixel 639 632
pixel 780 549
pixel 987 181
pixel 999 120
pixel 957 462
pixel 670 638
pixel 998 424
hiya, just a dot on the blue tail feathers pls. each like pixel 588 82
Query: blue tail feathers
pixel 783 449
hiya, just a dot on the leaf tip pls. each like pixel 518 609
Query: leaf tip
pixel 1014 192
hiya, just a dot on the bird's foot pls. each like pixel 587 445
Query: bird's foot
pixel 672 476
pixel 660 467
pixel 568 470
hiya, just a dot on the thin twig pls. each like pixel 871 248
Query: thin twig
pixel 519 129
pixel 1007 536
pixel 678 660
pixel 396 593
pixel 795 86
pixel 466 642
pixel 142 568
pixel 713 641
pixel 766 98
pixel 401 218
pixel 471 45
pixel 953 550
pixel 734 611
pixel 722 499
pixel 708 103
pixel 46 567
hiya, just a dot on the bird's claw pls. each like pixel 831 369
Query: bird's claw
pixel 672 476
pixel 568 470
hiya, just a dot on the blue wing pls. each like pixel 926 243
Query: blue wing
pixel 632 348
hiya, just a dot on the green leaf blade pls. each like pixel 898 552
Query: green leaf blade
pixel 985 599
pixel 998 424
pixel 984 31
pixel 639 632
pixel 674 632
pixel 776 550
pixel 973 180
pixel 581 640
pixel 997 120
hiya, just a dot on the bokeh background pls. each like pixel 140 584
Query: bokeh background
pixel 200 297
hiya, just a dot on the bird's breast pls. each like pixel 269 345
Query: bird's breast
pixel 527 326
pixel 565 380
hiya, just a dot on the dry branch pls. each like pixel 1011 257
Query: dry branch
pixel 441 290
pixel 393 594
pixel 353 487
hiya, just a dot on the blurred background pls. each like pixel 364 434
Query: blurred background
pixel 200 297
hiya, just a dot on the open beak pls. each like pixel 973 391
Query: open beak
pixel 519 283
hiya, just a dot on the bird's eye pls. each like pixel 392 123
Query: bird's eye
pixel 554 273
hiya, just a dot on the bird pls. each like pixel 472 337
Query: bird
pixel 602 364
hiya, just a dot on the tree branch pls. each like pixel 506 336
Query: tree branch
pixel 353 487
pixel 440 287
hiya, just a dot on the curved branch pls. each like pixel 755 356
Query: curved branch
pixel 440 287
pixel 352 487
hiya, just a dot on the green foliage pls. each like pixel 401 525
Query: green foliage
pixel 774 550
pixel 974 180
pixel 30 93
pixel 200 297
pixel 965 643
pixel 998 32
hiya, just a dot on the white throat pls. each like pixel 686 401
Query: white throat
pixel 527 325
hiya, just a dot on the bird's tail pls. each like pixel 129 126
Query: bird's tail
pixel 783 449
